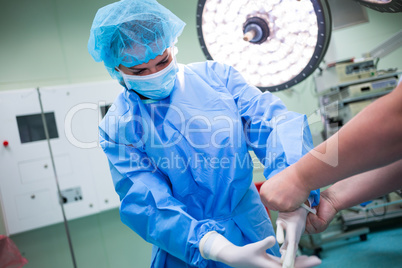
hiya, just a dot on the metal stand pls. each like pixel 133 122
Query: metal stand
pixel 57 181
pixel 314 242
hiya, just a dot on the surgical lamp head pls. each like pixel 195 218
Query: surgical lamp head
pixel 273 44
pixel 255 30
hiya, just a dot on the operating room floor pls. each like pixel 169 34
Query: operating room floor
pixel 383 248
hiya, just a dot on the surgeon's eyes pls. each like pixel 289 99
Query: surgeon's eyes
pixel 164 62
pixel 137 72
pixel 141 71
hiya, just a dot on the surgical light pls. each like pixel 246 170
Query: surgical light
pixel 274 44
pixel 389 6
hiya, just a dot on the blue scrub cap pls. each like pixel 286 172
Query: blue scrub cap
pixel 132 32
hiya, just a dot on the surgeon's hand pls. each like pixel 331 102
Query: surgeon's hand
pixel 293 223
pixel 326 212
pixel 214 246
pixel 285 191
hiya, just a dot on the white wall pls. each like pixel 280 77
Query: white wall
pixel 44 42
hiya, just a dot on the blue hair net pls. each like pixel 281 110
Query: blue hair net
pixel 132 32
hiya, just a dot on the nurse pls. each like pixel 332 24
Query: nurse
pixel 178 138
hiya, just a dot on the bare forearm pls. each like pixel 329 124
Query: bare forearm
pixel 365 186
pixel 370 140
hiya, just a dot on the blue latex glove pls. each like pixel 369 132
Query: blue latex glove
pixel 294 224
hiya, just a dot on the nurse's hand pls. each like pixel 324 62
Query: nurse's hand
pixel 214 246
pixel 293 223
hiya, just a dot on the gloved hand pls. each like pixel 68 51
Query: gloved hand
pixel 214 246
pixel 293 223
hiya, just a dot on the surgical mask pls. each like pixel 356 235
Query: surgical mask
pixel 155 86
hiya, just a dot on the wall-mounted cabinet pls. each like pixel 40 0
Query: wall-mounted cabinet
pixel 31 176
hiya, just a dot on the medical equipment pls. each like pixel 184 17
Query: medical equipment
pixel 341 101
pixel 355 70
pixel 384 208
pixel 366 67
pixel 359 91
pixel 274 44
pixel 345 87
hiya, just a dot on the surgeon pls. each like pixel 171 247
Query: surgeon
pixel 177 139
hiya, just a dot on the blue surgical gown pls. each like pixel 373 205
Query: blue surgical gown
pixel 182 167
